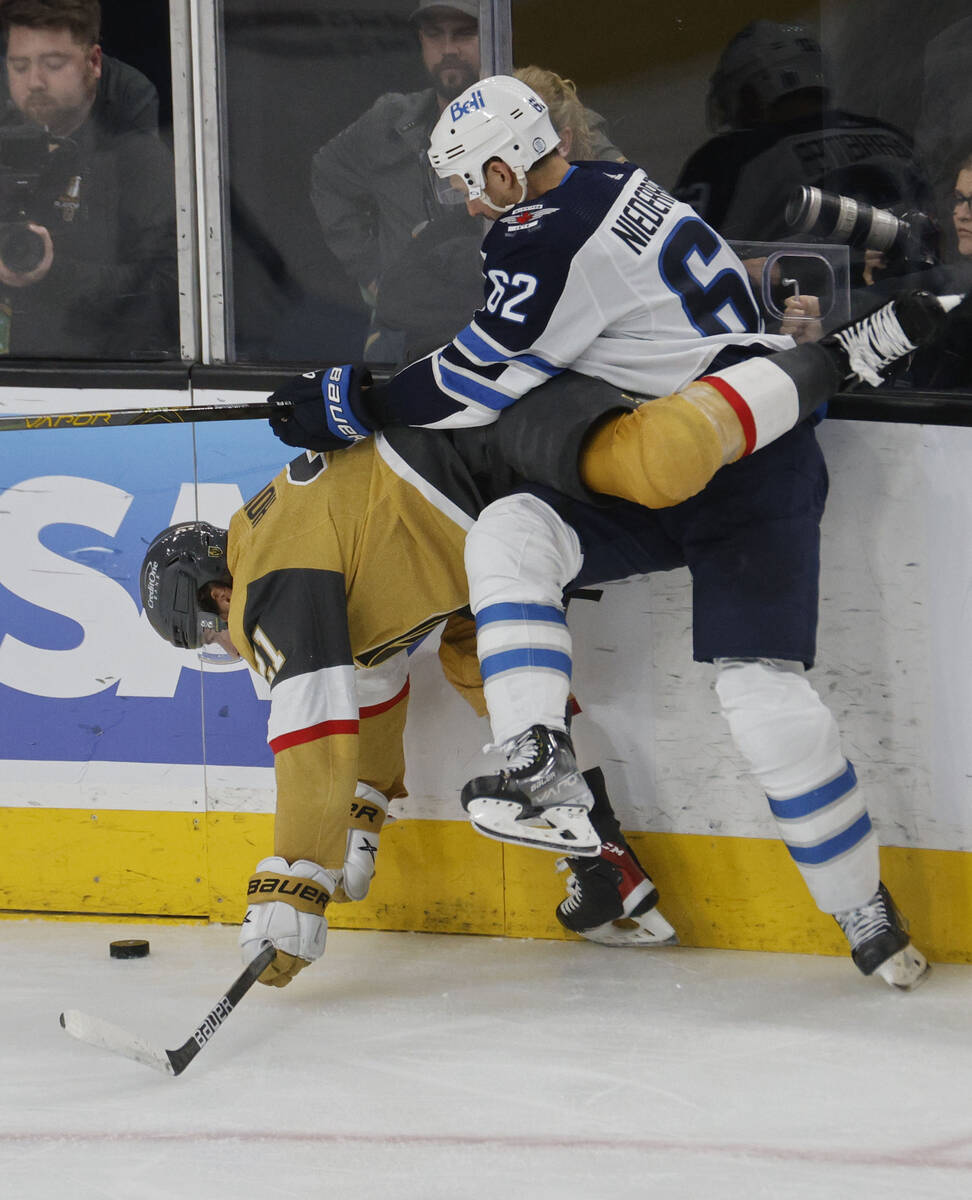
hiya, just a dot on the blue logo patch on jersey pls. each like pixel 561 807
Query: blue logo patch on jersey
pixel 527 217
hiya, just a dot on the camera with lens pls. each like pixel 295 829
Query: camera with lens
pixel 25 154
pixel 909 240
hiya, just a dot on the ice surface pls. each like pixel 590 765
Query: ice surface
pixel 426 1066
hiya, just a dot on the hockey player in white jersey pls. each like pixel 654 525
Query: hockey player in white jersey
pixel 665 299
pixel 595 267
pixel 601 271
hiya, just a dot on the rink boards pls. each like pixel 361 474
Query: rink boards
pixel 135 784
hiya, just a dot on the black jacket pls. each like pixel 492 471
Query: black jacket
pixel 106 195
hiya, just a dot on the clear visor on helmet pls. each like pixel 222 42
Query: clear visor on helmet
pixel 213 641
pixel 446 193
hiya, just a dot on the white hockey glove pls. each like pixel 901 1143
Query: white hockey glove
pixel 368 812
pixel 286 904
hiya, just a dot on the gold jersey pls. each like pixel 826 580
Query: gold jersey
pixel 342 561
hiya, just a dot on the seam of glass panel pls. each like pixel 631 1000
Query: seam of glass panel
pixel 183 147
pixel 212 233
pixel 496 40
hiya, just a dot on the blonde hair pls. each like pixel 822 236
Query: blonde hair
pixel 566 110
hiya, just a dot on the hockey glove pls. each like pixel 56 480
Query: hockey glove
pixel 286 906
pixel 323 410
pixel 368 812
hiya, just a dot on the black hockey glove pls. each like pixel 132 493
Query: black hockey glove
pixel 323 410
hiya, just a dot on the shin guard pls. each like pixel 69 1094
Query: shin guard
pixel 790 740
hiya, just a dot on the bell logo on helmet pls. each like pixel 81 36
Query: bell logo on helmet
pixel 460 108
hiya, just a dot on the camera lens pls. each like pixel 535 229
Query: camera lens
pixel 21 248
pixel 845 220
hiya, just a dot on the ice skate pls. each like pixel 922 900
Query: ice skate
pixel 876 341
pixel 612 901
pixel 879 942
pixel 539 800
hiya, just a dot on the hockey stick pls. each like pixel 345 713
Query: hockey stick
pixel 96 1032
pixel 142 416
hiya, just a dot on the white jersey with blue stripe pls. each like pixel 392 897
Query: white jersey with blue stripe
pixel 606 274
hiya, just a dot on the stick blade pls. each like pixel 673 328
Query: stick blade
pixel 96 1032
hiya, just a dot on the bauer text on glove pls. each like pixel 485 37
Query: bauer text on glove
pixel 325 409
pixel 285 906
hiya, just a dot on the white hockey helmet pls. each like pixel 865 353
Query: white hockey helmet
pixel 768 59
pixel 498 117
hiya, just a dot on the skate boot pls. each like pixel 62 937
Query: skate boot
pixel 612 901
pixel 874 342
pixel 540 799
pixel 879 942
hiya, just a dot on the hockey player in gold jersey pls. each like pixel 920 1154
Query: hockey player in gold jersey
pixel 339 564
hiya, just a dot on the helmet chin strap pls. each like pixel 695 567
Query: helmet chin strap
pixel 499 210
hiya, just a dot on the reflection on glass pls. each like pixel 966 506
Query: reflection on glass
pixel 436 283
pixel 87 213
pixel 735 111
pixel 771 97
pixel 372 187
pixel 343 241
pixel 948 363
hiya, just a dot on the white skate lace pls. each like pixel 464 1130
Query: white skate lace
pixel 874 343
pixel 515 749
pixel 862 924
pixel 522 751
pixel 573 898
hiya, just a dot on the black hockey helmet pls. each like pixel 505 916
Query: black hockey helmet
pixel 180 561
pixel 769 59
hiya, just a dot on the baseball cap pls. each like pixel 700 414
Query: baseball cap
pixel 469 8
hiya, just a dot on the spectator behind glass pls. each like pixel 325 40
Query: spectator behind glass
pixel 947 362
pixel 962 209
pixel 372 186
pixel 771 95
pixel 578 140
pixel 439 274
pixel 87 259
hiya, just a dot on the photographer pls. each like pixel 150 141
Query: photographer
pixel 87 209
pixel 771 103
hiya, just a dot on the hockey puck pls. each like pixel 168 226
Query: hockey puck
pixel 129 948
